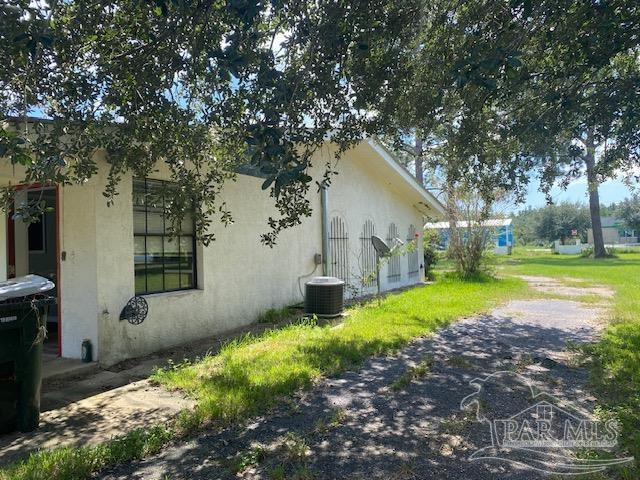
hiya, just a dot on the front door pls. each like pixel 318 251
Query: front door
pixel 32 249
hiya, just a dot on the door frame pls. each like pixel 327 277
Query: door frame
pixel 11 247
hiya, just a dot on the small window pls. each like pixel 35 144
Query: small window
pixel 163 263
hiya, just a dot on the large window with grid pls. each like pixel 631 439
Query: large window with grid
pixel 163 263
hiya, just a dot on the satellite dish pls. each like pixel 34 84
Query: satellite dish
pixel 382 249
pixel 135 311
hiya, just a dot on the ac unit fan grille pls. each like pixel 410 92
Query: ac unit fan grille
pixel 324 300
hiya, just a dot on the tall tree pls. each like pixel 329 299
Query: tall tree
pixel 509 86
pixel 597 134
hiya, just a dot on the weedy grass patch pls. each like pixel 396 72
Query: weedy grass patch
pixel 615 371
pixel 251 374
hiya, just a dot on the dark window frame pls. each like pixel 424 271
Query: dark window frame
pixel 162 236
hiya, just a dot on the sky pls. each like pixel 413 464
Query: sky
pixel 610 191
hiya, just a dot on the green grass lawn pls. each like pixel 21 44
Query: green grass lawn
pixel 616 367
pixel 251 375
pixel 248 376
pixel 621 273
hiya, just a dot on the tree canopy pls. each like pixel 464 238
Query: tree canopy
pixel 499 89
pixel 629 211
pixel 486 91
pixel 201 86
pixel 546 224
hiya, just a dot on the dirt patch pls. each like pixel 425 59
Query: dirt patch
pixel 97 419
pixel 569 287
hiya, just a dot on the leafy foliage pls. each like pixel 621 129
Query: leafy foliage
pixel 499 89
pixel 483 91
pixel 557 222
pixel 197 87
pixel 469 238
pixel 552 222
pixel 430 242
pixel 629 211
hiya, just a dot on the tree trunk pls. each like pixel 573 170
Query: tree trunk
pixel 452 217
pixel 419 162
pixel 594 199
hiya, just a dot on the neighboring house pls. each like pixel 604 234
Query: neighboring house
pixel 614 231
pixel 499 229
pixel 101 256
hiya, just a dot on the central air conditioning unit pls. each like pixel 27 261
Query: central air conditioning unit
pixel 324 296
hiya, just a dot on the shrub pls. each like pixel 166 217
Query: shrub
pixel 588 252
pixel 430 242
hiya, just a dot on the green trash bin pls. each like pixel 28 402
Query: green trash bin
pixel 22 323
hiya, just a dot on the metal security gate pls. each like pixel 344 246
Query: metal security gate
pixel 393 267
pixel 413 258
pixel 368 254
pixel 339 244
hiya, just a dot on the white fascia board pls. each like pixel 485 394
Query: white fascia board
pixel 428 198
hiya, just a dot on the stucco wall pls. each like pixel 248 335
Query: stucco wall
pixel 238 277
pixel 359 193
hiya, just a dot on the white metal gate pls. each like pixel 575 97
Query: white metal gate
pixel 339 244
pixel 393 267
pixel 368 254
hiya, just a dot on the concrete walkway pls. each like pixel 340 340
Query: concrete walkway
pixel 400 417
pixel 87 405
pixel 96 419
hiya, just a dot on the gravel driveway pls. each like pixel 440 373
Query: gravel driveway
pixel 399 417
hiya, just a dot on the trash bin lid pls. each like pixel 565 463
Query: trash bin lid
pixel 325 281
pixel 23 286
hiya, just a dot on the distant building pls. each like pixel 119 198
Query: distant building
pixel 614 231
pixel 499 228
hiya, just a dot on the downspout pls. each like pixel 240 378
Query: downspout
pixel 326 251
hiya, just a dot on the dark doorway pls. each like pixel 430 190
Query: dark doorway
pixel 33 249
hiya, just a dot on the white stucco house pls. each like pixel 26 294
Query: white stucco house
pixel 101 256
